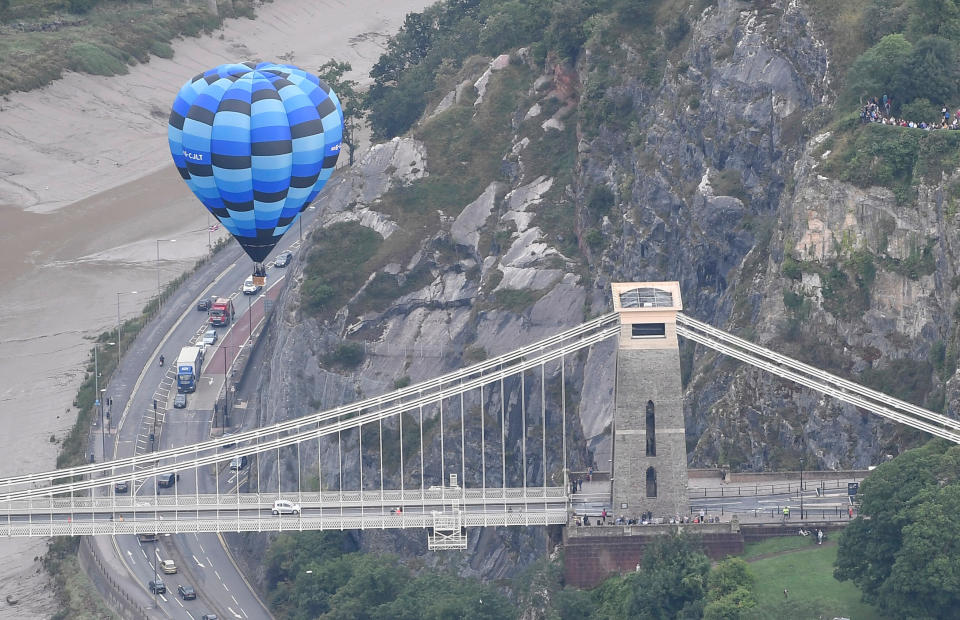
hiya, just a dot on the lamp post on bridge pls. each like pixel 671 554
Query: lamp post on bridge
pixel 801 488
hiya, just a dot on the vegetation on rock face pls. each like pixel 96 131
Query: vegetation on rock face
pixel 903 551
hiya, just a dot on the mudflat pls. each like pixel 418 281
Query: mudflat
pixel 86 190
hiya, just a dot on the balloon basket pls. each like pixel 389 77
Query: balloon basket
pixel 260 280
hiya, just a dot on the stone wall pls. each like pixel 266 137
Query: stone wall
pixel 593 554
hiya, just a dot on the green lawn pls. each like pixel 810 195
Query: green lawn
pixel 773 545
pixel 808 576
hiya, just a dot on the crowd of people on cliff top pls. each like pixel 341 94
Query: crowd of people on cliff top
pixel 646 518
pixel 877 110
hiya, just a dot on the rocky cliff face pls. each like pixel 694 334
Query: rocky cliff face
pixel 700 166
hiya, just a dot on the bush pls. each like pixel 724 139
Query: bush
pixel 600 200
pixel 348 355
pixel 96 60
pixel 920 110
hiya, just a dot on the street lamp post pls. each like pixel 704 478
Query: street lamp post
pixel 119 344
pixel 158 267
pixel 801 488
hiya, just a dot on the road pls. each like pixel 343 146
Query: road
pixel 137 386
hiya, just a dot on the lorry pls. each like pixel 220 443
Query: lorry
pixel 221 311
pixel 188 368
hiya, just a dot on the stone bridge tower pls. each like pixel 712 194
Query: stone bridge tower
pixel 649 448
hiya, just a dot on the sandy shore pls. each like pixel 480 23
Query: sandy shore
pixel 86 190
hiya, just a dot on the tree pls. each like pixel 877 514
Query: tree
pixel 880 70
pixel 351 102
pixel 903 552
pixel 672 582
pixel 930 72
pixel 433 596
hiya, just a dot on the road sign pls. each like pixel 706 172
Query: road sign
pixel 853 488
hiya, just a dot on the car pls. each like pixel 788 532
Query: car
pixel 147 538
pixel 285 507
pixel 209 336
pixel 283 259
pixel 249 288
pixel 238 462
pixel 187 593
pixel 180 401
pixel 165 481
pixel 169 567
pixel 203 304
pixel 157 587
pixel 208 617
pixel 121 487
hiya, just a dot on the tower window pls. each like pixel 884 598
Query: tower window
pixel 648 330
pixel 651 482
pixel 651 430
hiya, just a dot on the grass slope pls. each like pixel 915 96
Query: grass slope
pixel 808 575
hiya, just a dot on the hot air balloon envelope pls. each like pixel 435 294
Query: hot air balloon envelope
pixel 255 142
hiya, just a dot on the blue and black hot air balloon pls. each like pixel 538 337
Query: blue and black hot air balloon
pixel 256 142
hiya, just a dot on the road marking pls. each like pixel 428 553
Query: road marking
pixel 164 598
pixel 145 556
pixel 243 612
pixel 191 615
pixel 236 601
pixel 225 587
pixel 235 614
pixel 209 563
pixel 218 575
pixel 198 562
pixel 178 602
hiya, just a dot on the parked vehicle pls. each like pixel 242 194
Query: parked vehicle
pixel 221 311
pixel 283 259
pixel 285 507
pixel 168 566
pixel 187 593
pixel 188 368
pixel 157 587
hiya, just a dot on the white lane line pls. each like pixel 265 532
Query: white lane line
pixel 243 612
pixel 218 575
pixel 191 615
pixel 235 600
pixel 178 602
pixel 145 556
pixel 209 563
pixel 225 587
pixel 235 614
pixel 198 562
pixel 164 598
pixel 201 546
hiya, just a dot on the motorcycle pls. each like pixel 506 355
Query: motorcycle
pixel 161 360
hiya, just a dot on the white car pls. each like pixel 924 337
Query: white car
pixel 249 288
pixel 285 507
pixel 209 336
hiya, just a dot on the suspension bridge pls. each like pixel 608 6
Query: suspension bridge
pixel 488 445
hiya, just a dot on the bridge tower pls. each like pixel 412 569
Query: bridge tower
pixel 649 449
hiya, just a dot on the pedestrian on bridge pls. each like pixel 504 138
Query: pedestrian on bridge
pixel 786 512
